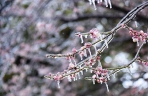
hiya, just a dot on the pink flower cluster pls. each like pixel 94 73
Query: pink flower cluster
pixel 94 32
pixel 90 62
pixel 138 35
pixel 100 75
pixel 143 61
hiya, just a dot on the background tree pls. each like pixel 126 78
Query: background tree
pixel 29 29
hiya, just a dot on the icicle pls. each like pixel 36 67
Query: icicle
pixel 100 36
pixel 74 79
pixel 79 75
pixel 89 51
pixel 136 24
pixel 106 43
pixel 58 82
pixel 110 3
pixel 86 69
pixel 93 81
pixel 107 87
pixel 85 36
pixel 99 64
pixel 90 2
pixel 70 60
pixel 114 75
pixel 81 72
pixel 81 39
pixel 69 78
pixel 97 76
pixel 137 43
pixel 74 61
pixel 85 54
pixel 93 1
pixel 101 81
pixel 90 71
pixel 108 77
pixel 95 48
pixel 81 57
pixel 90 36
pixel 132 65
pixel 106 3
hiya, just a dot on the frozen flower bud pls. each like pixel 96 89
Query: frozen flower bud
pixel 104 70
pixel 98 80
pixel 69 58
pixel 50 56
pixel 102 79
pixel 99 68
pixel 81 54
pixel 98 72
pixel 71 66
pixel 74 50
pixel 141 32
pixel 79 35
pixel 135 39
pixel 86 63
pixel 123 25
pixel 93 78
pixel 88 45
pixel 93 32
pixel 57 77
pixel 92 61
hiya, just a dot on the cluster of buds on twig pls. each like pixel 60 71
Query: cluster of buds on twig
pixel 93 33
pixel 142 61
pixel 100 75
pixel 75 70
pixel 138 35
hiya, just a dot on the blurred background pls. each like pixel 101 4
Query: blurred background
pixel 30 29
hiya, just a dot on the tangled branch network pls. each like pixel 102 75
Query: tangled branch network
pixel 92 62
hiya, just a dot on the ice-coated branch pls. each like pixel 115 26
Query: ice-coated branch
pixel 92 62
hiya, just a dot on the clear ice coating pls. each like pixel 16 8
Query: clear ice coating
pixel 106 43
pixel 81 39
pixel 136 24
pixel 58 82
pixel 89 51
pixel 95 48
pixel 93 81
pixel 107 86
pixel 107 3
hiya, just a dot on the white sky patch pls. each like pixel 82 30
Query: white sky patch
pixel 127 84
pixel 100 27
pixel 121 58
pixel 134 67
pixel 141 83
pixel 127 2
pixel 127 76
pixel 108 59
pixel 145 76
pixel 136 75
